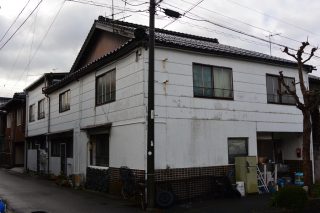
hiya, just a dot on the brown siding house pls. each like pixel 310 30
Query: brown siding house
pixel 13 118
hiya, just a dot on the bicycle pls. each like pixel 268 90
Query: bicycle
pixel 131 188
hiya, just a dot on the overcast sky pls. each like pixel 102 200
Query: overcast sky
pixel 50 39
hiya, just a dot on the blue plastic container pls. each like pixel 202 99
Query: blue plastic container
pixel 298 178
pixel 2 206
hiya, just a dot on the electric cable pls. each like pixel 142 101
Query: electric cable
pixel 14 21
pixel 21 25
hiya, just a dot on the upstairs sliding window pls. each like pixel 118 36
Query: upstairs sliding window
pixel 212 81
pixel 277 93
pixel 32 113
pixel 41 109
pixel 64 101
pixel 106 88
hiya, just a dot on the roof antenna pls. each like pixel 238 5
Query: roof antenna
pixel 112 15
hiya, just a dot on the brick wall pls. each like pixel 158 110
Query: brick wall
pixel 185 183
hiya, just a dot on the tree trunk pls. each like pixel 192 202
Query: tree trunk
pixel 307 171
pixel 315 116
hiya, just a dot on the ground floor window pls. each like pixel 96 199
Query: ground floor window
pixel 237 147
pixel 37 143
pixel 56 147
pixel 99 150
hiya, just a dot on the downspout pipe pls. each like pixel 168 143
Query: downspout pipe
pixel 26 131
pixel 48 127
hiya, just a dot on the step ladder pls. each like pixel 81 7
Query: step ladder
pixel 262 186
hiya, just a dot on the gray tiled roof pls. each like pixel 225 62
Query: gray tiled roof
pixel 170 39
pixel 215 48
pixel 201 44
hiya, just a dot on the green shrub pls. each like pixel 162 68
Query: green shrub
pixel 315 190
pixel 290 197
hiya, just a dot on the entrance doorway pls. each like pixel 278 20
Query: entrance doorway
pixel 63 158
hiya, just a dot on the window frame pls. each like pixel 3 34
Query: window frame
pixel 279 86
pixel 19 115
pixel 41 115
pixel 103 155
pixel 61 109
pixel 96 87
pixel 237 155
pixel 56 147
pixel 212 82
pixel 32 116
pixel 9 120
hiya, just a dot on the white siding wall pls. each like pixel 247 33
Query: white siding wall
pixel 127 115
pixel 37 127
pixel 32 159
pixel 192 132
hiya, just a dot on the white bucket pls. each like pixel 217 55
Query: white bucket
pixel 240 188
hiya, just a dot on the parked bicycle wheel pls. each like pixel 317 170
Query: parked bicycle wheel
pixel 165 199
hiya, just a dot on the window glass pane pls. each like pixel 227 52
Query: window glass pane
pixel 222 82
pixel 207 81
pixel 113 85
pixel 41 109
pixel 65 101
pixel 19 117
pixel 197 80
pixel 99 91
pixel 286 98
pixel 31 113
pixel 237 147
pixel 272 89
pixel 9 120
pixel 102 150
pixel 108 86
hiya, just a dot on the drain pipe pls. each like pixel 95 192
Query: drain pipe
pixel 48 128
pixel 26 120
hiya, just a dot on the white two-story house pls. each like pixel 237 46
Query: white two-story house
pixel 37 123
pixel 212 102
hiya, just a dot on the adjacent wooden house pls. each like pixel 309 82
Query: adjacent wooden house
pixel 12 153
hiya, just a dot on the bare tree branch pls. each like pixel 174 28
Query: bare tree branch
pixel 311 54
pixel 291 92
pixel 286 50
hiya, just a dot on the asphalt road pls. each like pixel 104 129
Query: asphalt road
pixel 26 194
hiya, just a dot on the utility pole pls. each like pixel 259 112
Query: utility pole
pixel 112 11
pixel 150 134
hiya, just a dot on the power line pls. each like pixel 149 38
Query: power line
pixel 46 33
pixel 14 21
pixel 265 14
pixel 98 4
pixel 223 33
pixel 242 22
pixel 134 5
pixel 201 19
pixel 243 33
pixel 38 47
pixel 191 8
pixel 21 25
